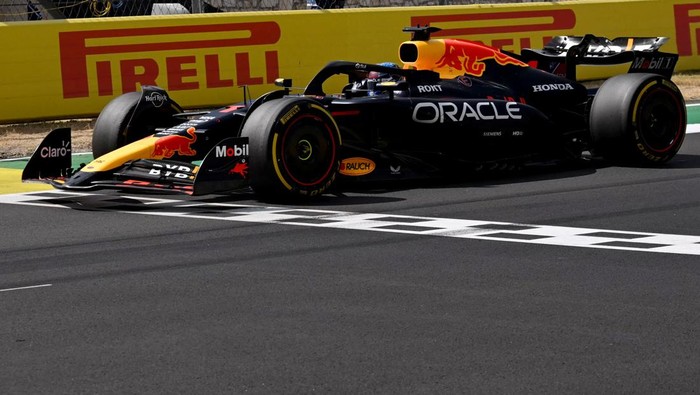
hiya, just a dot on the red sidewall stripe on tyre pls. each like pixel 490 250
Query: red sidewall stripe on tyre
pixel 678 135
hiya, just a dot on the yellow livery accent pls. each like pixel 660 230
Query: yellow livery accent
pixel 141 149
pixel 452 57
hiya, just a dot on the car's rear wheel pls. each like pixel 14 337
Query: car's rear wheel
pixel 294 148
pixel 122 121
pixel 638 119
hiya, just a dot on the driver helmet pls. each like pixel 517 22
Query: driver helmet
pixel 375 77
pixel 381 76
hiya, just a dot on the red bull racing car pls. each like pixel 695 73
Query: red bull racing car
pixel 453 106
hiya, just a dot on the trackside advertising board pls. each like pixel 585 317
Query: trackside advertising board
pixel 69 68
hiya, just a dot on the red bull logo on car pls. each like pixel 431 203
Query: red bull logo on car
pixel 469 57
pixel 168 146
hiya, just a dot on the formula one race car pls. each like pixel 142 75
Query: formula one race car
pixel 453 106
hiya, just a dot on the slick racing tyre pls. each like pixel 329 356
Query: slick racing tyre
pixel 294 148
pixel 638 119
pixel 119 122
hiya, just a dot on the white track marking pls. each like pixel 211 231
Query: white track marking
pixel 425 226
pixel 27 287
pixel 693 128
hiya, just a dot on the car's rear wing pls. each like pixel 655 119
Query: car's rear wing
pixel 564 53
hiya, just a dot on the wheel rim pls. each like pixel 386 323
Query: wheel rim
pixel 305 150
pixel 308 150
pixel 660 121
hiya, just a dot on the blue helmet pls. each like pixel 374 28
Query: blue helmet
pixel 382 76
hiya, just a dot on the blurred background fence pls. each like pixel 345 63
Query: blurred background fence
pixel 29 10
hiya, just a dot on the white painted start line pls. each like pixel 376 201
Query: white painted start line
pixel 25 288
pixel 414 225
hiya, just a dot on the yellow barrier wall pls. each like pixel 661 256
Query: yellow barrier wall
pixel 57 69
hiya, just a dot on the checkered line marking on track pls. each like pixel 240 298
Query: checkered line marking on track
pixel 428 226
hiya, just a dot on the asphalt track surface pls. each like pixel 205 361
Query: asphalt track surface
pixel 555 280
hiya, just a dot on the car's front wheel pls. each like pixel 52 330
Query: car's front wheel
pixel 294 148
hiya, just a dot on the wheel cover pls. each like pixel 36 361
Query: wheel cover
pixel 308 150
pixel 660 120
